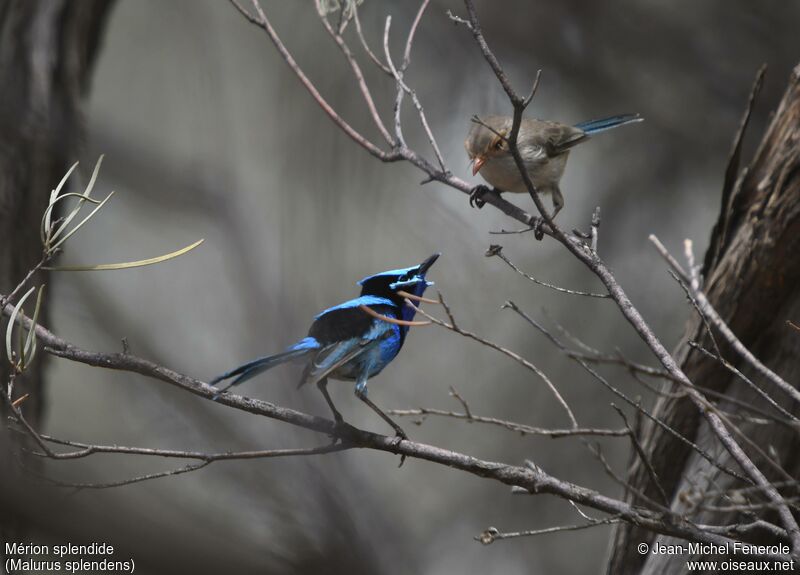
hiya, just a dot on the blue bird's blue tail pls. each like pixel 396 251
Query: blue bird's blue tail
pixel 596 126
pixel 262 364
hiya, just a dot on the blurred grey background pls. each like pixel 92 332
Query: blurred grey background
pixel 208 134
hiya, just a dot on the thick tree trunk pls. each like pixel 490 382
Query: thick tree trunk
pixel 47 49
pixel 752 276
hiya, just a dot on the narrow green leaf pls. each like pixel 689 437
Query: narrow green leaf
pixel 54 195
pixel 127 265
pixel 45 228
pixel 46 237
pixel 20 345
pixel 79 225
pixel 30 342
pixel 75 211
pixel 12 319
pixel 66 177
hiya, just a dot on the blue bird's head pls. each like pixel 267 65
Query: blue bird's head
pixel 411 280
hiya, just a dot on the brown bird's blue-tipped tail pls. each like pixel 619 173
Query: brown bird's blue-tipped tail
pixel 597 126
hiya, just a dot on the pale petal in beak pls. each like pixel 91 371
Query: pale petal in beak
pixel 477 164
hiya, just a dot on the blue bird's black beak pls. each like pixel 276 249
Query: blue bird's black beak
pixel 424 266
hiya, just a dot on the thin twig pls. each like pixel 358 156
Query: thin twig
pixel 262 22
pixel 496 250
pixel 461 400
pixel 365 45
pixel 46 256
pixel 504 232
pixel 510 425
pixel 717 321
pixel 87 449
pixel 643 456
pixel 398 99
pixel 516 357
pixel 793 419
pixel 362 83
pixel 597 452
pixel 491 534
pixel 699 450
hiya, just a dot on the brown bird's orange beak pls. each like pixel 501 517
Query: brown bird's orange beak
pixel 477 164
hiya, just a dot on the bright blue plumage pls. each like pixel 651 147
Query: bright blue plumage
pixel 369 300
pixel 345 342
pixel 397 273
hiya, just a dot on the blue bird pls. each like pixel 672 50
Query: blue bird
pixel 354 340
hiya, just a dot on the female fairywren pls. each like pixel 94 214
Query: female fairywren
pixel 544 147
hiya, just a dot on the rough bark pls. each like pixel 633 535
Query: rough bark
pixel 753 280
pixel 47 49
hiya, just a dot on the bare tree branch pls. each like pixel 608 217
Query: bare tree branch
pixel 532 479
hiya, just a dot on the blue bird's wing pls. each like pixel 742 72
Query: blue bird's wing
pixel 345 333
pixel 333 357
pixel 347 321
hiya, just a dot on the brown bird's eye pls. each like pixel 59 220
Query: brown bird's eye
pixel 497 144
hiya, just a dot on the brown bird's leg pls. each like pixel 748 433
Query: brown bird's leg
pixel 558 203
pixel 476 195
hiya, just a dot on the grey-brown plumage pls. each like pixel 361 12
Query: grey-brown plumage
pixel 543 145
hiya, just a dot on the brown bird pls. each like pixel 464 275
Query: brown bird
pixel 544 147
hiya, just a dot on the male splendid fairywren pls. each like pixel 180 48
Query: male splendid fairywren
pixel 354 340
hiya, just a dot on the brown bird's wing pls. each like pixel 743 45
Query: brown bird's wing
pixel 558 138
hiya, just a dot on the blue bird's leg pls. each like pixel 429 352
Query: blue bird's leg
pixel 322 384
pixel 361 393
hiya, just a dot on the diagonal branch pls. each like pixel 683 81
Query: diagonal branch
pixel 629 311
